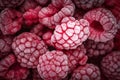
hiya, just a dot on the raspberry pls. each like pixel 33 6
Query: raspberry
pixel 37 29
pixel 47 37
pixel 27 48
pixel 88 4
pixel 5 43
pixel 95 49
pixel 31 16
pixel 76 57
pixel 111 65
pixel 11 70
pixel 53 14
pixel 53 65
pixel 10 21
pixel 10 3
pixel 86 72
pixel 103 25
pixel 70 34
pixel 28 4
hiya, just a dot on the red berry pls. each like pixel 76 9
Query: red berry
pixel 76 57
pixel 55 12
pixel 103 25
pixel 10 21
pixel 27 48
pixel 86 72
pixel 88 4
pixel 95 49
pixel 70 34
pixel 111 65
pixel 53 65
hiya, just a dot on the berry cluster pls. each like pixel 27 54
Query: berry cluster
pixel 59 39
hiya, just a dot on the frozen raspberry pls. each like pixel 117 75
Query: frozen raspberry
pixel 88 4
pixel 5 43
pixel 36 75
pixel 31 16
pixel 95 49
pixel 38 29
pixel 47 37
pixel 76 57
pixel 10 3
pixel 53 65
pixel 28 4
pixel 103 25
pixel 111 65
pixel 70 34
pixel 11 70
pixel 10 21
pixel 42 2
pixel 55 12
pixel 27 48
pixel 86 72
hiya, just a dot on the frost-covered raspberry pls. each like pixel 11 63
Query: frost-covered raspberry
pixel 47 37
pixel 111 65
pixel 103 25
pixel 28 4
pixel 86 72
pixel 88 4
pixel 31 16
pixel 95 49
pixel 5 43
pixel 76 57
pixel 70 34
pixel 10 21
pixel 27 48
pixel 10 3
pixel 55 12
pixel 11 70
pixel 53 65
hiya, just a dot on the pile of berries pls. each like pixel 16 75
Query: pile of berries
pixel 59 39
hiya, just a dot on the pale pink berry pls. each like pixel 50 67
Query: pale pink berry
pixel 5 43
pixel 10 3
pixel 86 72
pixel 95 49
pixel 88 4
pixel 47 37
pixel 31 16
pixel 53 65
pixel 76 57
pixel 103 25
pixel 111 65
pixel 28 4
pixel 42 2
pixel 11 70
pixel 38 29
pixel 55 12
pixel 70 33
pixel 27 48
pixel 10 21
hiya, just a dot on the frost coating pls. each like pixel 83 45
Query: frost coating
pixel 55 12
pixel 86 72
pixel 111 65
pixel 53 65
pixel 103 25
pixel 27 48
pixel 70 34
